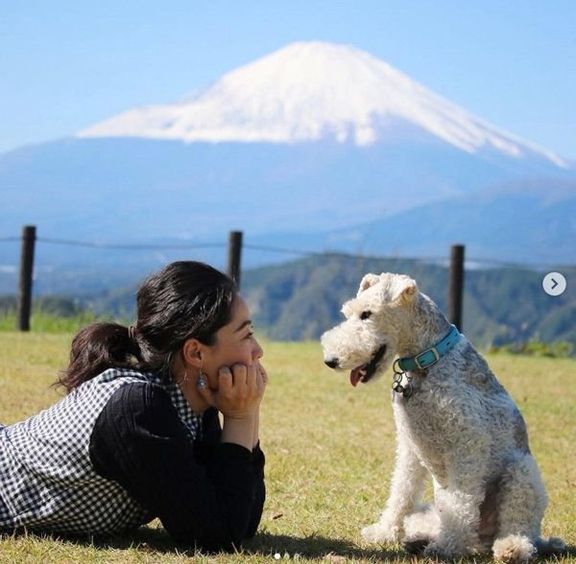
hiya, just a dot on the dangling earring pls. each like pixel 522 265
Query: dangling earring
pixel 202 382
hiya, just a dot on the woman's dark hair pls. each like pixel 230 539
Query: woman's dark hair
pixel 186 299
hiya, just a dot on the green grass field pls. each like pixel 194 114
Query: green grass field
pixel 330 451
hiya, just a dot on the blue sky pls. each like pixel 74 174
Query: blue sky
pixel 65 65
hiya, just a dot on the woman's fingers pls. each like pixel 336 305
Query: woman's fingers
pixel 260 379
pixel 252 377
pixel 241 375
pixel 225 381
pixel 263 374
pixel 240 388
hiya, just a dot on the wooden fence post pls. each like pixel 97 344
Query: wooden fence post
pixel 26 272
pixel 234 256
pixel 456 285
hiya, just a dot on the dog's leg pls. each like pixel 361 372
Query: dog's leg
pixel 523 501
pixel 458 507
pixel 405 493
pixel 459 496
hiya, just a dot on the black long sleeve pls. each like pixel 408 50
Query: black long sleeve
pixel 208 494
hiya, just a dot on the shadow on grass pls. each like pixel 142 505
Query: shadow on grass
pixel 266 545
pixel 317 547
pixel 148 539
pixel 156 540
pixel 337 550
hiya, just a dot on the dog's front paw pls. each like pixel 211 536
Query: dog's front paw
pixel 382 532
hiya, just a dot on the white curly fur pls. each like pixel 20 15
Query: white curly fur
pixel 459 425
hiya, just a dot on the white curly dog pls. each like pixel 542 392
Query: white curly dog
pixel 454 421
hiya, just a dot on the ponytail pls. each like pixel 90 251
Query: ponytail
pixel 95 349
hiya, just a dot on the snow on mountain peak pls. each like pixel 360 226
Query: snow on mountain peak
pixel 309 91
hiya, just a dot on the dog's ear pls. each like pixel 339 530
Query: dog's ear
pixel 406 290
pixel 367 281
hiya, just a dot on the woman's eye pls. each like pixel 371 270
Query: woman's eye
pixel 365 314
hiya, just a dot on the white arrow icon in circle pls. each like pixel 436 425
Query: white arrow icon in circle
pixel 554 284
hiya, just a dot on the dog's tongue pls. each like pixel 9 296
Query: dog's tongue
pixel 355 376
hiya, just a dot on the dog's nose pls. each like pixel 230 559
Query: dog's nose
pixel 331 362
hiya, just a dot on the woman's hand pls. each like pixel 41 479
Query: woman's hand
pixel 240 390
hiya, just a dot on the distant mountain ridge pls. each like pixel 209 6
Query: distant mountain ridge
pixel 301 299
pixel 530 222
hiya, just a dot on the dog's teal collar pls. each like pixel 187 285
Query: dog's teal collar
pixel 432 355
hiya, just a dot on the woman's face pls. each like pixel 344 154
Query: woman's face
pixel 234 344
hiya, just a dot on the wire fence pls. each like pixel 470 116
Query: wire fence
pixel 235 246
pixel 478 262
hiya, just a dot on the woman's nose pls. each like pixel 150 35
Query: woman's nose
pixel 258 352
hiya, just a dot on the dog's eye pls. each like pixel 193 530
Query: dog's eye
pixel 365 314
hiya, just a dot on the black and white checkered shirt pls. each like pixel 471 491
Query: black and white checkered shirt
pixel 47 480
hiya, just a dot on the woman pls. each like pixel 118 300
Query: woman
pixel 138 435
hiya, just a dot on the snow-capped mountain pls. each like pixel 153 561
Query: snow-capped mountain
pixel 311 91
pixel 315 147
